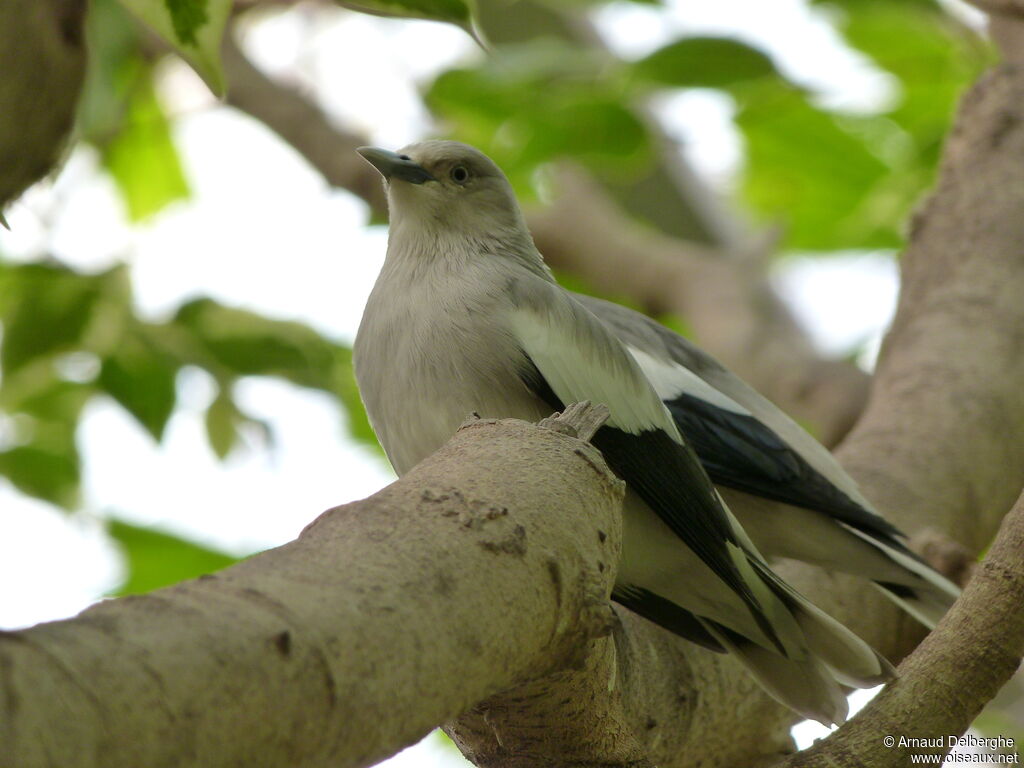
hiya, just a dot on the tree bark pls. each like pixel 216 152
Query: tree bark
pixel 42 58
pixel 383 619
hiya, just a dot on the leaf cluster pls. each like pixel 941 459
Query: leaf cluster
pixel 835 179
pixel 69 337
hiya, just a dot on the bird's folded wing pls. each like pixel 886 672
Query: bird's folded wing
pixel 739 451
pixel 570 356
pixel 742 439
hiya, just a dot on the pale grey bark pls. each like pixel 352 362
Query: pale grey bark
pixel 488 565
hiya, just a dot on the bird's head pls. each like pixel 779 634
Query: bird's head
pixel 447 186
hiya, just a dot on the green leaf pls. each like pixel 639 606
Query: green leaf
pixel 589 127
pixel 49 400
pixel 193 27
pixel 805 171
pixel 232 342
pixel 932 60
pixel 222 419
pixel 140 376
pixel 43 411
pixel 248 344
pixel 543 100
pixel 46 473
pixel 114 69
pixel 225 422
pixel 933 57
pixel 187 18
pixel 456 12
pixel 142 157
pixel 44 309
pixel 157 559
pixel 576 6
pixel 704 62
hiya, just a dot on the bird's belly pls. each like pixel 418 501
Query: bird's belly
pixel 424 367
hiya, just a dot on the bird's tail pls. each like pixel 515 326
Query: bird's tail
pixel 833 655
pixel 802 680
pixel 810 655
pixel 916 587
pixel 926 602
pixel 820 654
pixel 805 685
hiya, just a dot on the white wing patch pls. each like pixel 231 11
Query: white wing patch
pixel 581 360
pixel 670 380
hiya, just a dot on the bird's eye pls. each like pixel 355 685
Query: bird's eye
pixel 459 174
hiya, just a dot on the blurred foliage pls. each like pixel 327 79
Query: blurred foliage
pixel 155 559
pixel 1003 719
pixel 69 337
pixel 142 158
pixel 834 179
pixel 457 12
pixel 193 28
pixel 850 180
pixel 540 100
pixel 704 62
pixel 120 115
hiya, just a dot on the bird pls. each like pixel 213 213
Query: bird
pixel 465 317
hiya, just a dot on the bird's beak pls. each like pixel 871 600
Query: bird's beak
pixel 392 165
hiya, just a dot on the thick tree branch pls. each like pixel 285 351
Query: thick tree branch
pixel 383 619
pixel 947 412
pixel 950 677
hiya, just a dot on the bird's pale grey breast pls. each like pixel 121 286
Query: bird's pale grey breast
pixel 442 362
